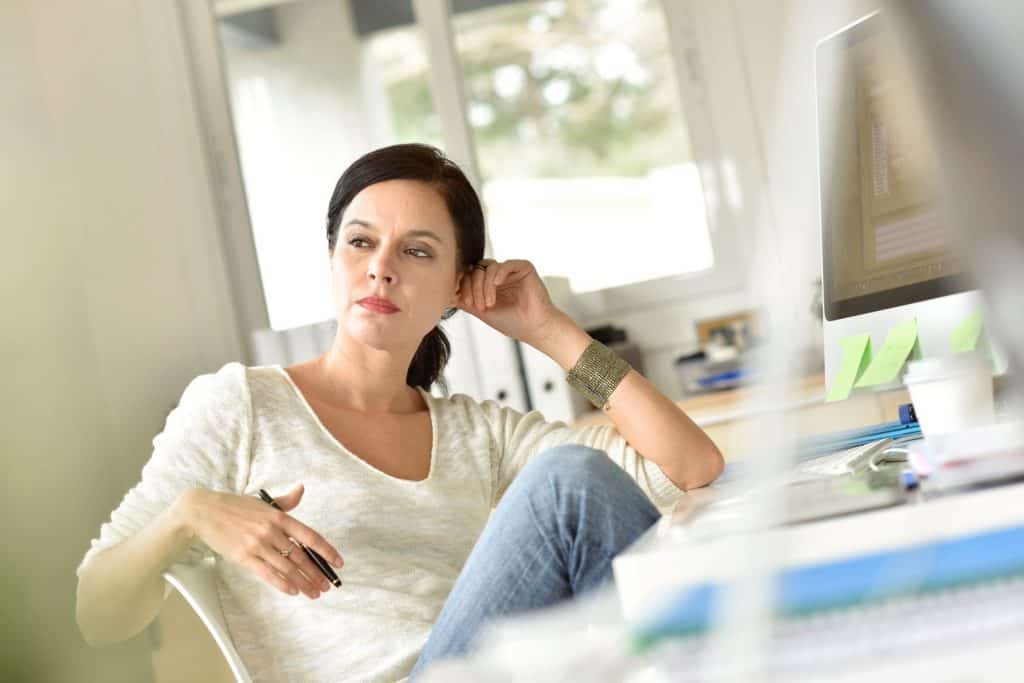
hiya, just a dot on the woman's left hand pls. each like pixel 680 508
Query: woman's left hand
pixel 510 297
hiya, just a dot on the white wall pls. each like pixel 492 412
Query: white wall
pixel 114 296
pixel 777 39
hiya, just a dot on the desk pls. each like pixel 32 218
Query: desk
pixel 734 418
pixel 969 632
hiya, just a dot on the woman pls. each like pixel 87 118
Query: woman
pixel 396 485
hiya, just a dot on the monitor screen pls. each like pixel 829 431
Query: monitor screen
pixel 885 239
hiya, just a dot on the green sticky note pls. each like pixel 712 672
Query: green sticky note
pixel 966 335
pixel 856 356
pixel 900 344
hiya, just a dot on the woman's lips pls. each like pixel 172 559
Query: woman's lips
pixel 378 306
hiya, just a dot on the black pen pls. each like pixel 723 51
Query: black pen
pixel 313 555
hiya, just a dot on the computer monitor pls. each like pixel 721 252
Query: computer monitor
pixel 888 252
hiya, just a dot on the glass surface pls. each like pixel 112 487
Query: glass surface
pixel 581 139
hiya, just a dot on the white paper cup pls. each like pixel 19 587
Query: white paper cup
pixel 951 393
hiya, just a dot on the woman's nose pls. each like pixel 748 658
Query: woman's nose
pixel 381 269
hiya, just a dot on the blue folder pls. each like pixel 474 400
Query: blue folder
pixel 814 446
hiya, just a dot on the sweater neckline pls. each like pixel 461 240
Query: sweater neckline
pixel 345 449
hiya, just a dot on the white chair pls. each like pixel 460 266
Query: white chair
pixel 198 585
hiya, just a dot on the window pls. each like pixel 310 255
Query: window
pixel 581 140
pixel 399 65
pixel 310 93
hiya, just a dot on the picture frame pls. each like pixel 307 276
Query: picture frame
pixel 738 329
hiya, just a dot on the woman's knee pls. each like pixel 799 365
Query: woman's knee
pixel 573 479
pixel 575 464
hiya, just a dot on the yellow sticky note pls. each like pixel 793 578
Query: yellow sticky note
pixel 900 344
pixel 966 335
pixel 856 356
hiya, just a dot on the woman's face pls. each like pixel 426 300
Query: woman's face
pixel 394 265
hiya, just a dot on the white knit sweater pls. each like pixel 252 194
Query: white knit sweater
pixel 404 542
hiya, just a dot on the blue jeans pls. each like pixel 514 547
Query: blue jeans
pixel 552 536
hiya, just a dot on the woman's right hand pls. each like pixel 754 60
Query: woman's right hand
pixel 251 533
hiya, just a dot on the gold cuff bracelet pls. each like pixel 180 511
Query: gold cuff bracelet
pixel 597 373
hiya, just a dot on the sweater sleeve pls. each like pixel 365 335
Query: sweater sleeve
pixel 204 444
pixel 518 437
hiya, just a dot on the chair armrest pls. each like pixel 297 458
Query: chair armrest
pixel 198 585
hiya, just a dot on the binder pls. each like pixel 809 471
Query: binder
pixel 484 363
pixel 500 374
pixel 549 392
pixel 460 374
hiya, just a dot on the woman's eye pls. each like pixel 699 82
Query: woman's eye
pixel 362 243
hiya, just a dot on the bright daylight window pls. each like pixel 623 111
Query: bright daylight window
pixel 398 64
pixel 581 140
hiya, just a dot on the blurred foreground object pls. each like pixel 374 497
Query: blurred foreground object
pixel 968 58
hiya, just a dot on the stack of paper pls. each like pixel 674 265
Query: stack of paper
pixel 970 457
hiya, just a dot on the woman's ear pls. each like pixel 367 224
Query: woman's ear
pixel 459 279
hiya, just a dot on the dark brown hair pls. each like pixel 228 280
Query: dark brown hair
pixel 429 165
